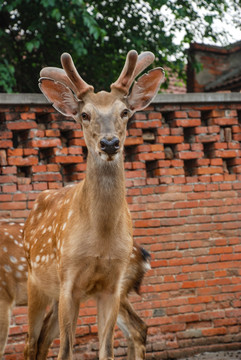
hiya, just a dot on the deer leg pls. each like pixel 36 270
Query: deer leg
pixel 108 306
pixel 37 303
pixel 68 314
pixel 49 331
pixel 5 313
pixel 134 329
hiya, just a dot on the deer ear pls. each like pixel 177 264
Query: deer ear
pixel 61 97
pixel 145 89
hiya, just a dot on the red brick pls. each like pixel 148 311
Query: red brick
pixel 7 179
pixel 178 114
pixel 187 122
pixel 214 331
pixel 170 139
pixel 154 115
pixel 223 121
pixel 187 155
pixel 28 116
pixel 133 141
pixel 6 143
pixel 21 125
pixel 66 159
pixel 23 161
pixel 33 133
pixel 46 177
pixel 44 143
pixel 53 133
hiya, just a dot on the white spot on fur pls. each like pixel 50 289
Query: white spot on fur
pixel 39 215
pixel 7 268
pixel 70 214
pixel 13 259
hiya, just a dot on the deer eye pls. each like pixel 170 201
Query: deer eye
pixel 125 113
pixel 85 117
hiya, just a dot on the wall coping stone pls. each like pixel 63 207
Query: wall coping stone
pixel 39 99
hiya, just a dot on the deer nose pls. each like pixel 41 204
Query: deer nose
pixel 110 146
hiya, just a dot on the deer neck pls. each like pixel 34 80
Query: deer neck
pixel 104 188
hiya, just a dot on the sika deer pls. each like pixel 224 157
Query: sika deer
pixel 13 275
pixel 78 240
pixel 13 291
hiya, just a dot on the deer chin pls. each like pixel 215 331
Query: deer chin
pixel 108 157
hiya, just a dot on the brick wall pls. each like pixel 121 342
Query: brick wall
pixel 183 177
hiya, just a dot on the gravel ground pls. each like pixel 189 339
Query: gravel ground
pixel 221 355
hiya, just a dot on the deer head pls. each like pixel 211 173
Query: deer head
pixel 103 115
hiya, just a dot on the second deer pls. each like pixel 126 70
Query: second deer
pixel 78 240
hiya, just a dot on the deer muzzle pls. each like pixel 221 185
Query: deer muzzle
pixel 110 147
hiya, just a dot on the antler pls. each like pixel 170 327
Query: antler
pixel 134 65
pixel 74 76
pixel 69 76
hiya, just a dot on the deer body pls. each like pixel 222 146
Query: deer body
pixel 13 292
pixel 78 240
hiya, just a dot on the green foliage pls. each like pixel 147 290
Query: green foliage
pixel 98 34
pixel 7 79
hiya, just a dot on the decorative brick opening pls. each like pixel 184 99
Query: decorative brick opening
pixel 239 117
pixel 166 118
pixel 129 155
pixel 85 152
pixel 24 171
pixel 151 166
pixel 45 155
pixel 42 120
pixel 208 149
pixel 188 133
pixel 204 117
pixel 64 137
pixel 149 135
pixel 169 150
pixel 20 138
pixel 67 172
pixel 189 167
pixel 228 164
pixel 2 122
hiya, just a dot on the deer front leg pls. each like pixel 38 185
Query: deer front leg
pixel 68 314
pixel 134 329
pixel 5 313
pixel 108 307
pixel 49 331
